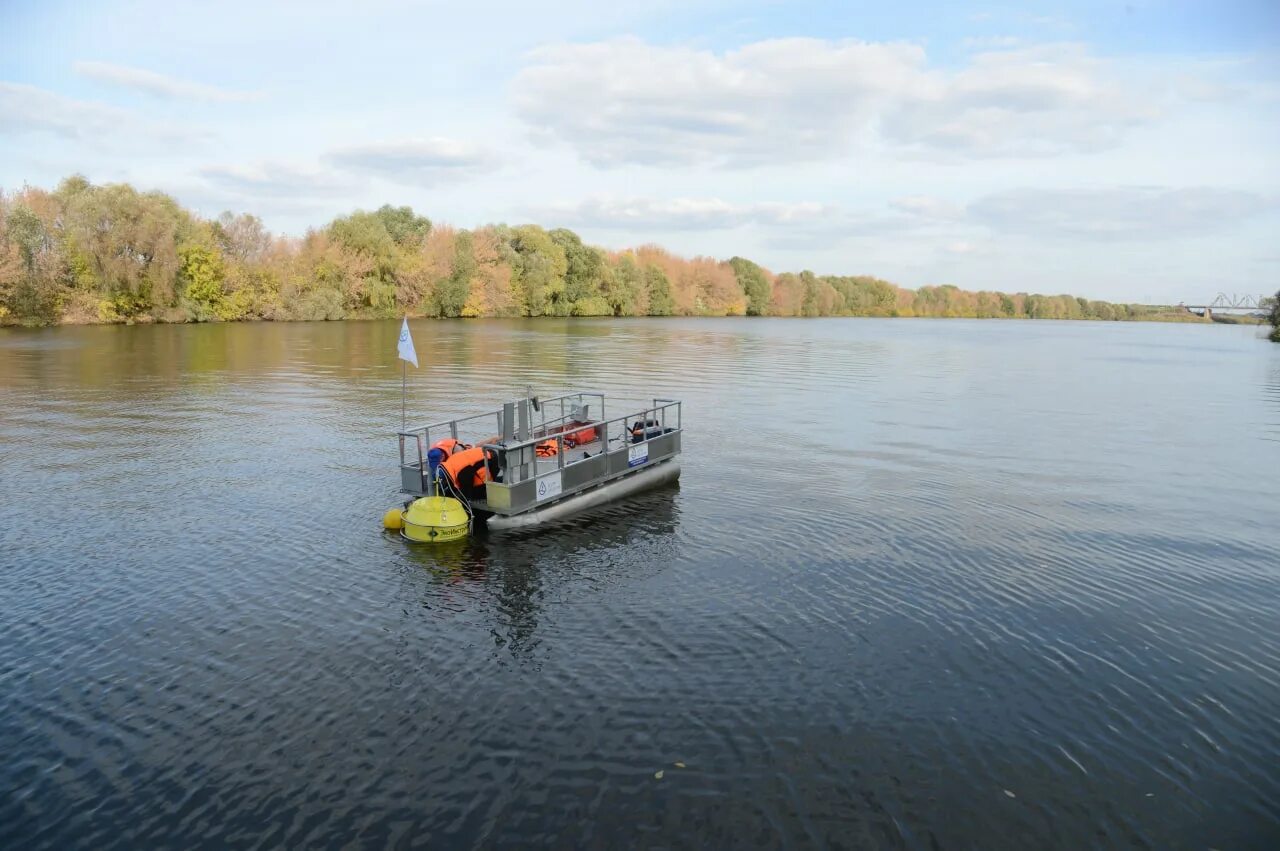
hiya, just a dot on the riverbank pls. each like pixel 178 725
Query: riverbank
pixel 86 254
pixel 83 319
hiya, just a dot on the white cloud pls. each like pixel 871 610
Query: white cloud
pixel 1034 101
pixel 683 213
pixel 1113 214
pixel 928 207
pixel 422 161
pixel 840 228
pixel 628 102
pixel 159 85
pixel 273 180
pixel 791 100
pixel 29 109
pixel 1121 213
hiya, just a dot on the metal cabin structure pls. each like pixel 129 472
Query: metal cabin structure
pixel 595 454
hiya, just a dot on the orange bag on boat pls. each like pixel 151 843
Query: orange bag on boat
pixel 585 435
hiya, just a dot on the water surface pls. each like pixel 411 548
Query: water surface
pixel 923 584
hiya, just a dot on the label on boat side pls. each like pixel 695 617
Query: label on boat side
pixel 549 486
pixel 637 455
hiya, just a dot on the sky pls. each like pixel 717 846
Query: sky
pixel 1123 151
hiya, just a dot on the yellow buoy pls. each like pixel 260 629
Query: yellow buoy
pixel 435 519
pixel 393 519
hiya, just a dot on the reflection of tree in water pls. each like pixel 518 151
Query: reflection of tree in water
pixel 513 576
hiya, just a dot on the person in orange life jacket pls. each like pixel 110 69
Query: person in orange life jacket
pixel 468 470
pixel 441 450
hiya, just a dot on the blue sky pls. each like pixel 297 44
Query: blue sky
pixel 1115 150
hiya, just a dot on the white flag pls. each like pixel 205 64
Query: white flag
pixel 406 350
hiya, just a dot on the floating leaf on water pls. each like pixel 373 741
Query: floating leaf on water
pixel 1010 794
pixel 657 775
pixel 680 765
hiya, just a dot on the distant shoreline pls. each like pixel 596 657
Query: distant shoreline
pixel 149 321
pixel 87 255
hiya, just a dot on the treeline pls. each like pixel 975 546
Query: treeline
pixel 84 253
pixel 1274 317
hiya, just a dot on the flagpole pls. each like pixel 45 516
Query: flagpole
pixel 407 355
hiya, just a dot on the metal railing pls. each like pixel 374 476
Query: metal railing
pixel 657 415
pixel 568 414
pixel 422 434
pixel 566 411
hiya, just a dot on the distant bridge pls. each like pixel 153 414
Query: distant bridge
pixel 1233 303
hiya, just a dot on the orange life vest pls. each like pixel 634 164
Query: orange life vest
pixel 449 445
pixel 546 449
pixel 468 471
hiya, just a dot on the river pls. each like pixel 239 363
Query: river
pixel 922 584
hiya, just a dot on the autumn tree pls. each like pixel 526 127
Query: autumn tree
pixel 241 238
pixel 788 295
pixel 109 253
pixel 490 291
pixel 125 244
pixel 29 282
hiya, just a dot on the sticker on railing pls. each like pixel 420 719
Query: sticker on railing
pixel 549 485
pixel 637 455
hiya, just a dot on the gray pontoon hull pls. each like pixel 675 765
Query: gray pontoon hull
pixel 650 477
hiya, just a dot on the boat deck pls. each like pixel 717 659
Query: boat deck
pixel 523 478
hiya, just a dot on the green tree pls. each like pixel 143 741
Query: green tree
pixel 1274 318
pixel 624 286
pixel 584 272
pixel 70 187
pixel 405 227
pixel 200 277
pixel 1101 310
pixel 451 295
pixel 27 231
pixel 863 296
pixel 126 245
pixel 373 289
pixel 754 285
pixel 366 234
pixel 660 301
pixel 539 271
pixel 810 305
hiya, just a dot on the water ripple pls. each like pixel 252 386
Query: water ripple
pixel 922 584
